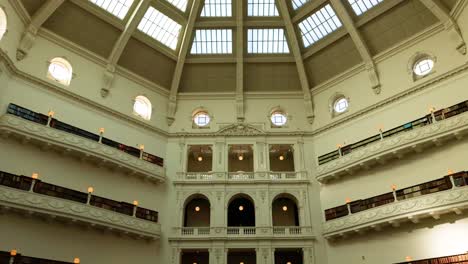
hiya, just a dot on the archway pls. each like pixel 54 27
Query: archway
pixel 241 211
pixel 285 211
pixel 197 212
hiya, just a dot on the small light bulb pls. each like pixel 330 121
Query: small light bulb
pixel 289 262
pixel 142 147
pixel 281 157
pixel 241 157
pixel 241 262
pixel 101 130
pixel 197 209
pixel 13 252
pixel 393 187
pixel 35 176
pixel 241 208
pixel 200 158
pixel 90 189
pixel 51 113
pixel 285 208
pixel 135 203
pixel 348 200
pixel 450 172
pixel 408 258
pixel 76 261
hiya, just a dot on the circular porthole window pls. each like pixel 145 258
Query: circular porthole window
pixel 423 67
pixel 278 119
pixel 340 105
pixel 201 119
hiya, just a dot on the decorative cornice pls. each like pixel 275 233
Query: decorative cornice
pixel 394 146
pixel 76 212
pixel 87 149
pixel 395 213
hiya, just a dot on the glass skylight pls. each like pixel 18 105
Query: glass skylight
pixel 217 8
pixel 361 6
pixel 271 40
pixel 262 8
pixel 212 41
pixel 160 27
pixel 298 3
pixel 118 8
pixel 318 25
pixel 181 4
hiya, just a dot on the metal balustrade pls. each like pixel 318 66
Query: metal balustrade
pixel 423 121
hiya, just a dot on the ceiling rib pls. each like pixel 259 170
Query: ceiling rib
pixel 294 47
pixel 29 35
pixel 119 46
pixel 240 61
pixel 450 24
pixel 184 47
pixel 361 46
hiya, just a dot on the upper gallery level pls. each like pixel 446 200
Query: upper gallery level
pixel 256 159
pixel 50 133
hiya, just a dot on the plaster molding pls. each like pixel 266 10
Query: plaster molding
pixel 73 211
pixel 89 150
pixel 415 139
pixel 240 129
pixel 400 211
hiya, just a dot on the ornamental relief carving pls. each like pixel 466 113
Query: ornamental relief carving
pixel 12 124
pixel 418 134
pixel 68 209
pixel 241 129
pixel 398 209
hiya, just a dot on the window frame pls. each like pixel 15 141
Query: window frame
pixel 145 101
pixel 278 110
pixel 334 100
pixel 65 64
pixel 417 58
pixel 306 24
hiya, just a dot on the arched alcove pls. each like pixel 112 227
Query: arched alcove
pixel 285 211
pixel 241 211
pixel 281 158
pixel 197 211
pixel 199 158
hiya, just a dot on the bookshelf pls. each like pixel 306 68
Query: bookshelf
pixel 455 259
pixel 6 257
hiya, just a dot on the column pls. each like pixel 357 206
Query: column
pixel 183 155
pixel 299 159
pixel 264 255
pixel 308 255
pixel 218 255
pixel 220 158
pixel 260 158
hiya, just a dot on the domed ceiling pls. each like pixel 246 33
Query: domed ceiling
pixel 211 46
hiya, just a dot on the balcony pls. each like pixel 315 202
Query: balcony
pixel 21 193
pixel 431 199
pixel 49 133
pixel 242 233
pixel 13 257
pixel 434 129
pixel 241 177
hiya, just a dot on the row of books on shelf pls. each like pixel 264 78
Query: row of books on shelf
pixel 7 257
pixel 455 259
pixel 25 183
pixel 56 124
pixel 425 120
pixel 460 179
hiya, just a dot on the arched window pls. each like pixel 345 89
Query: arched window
pixel 60 70
pixel 142 107
pixel 197 211
pixel 3 23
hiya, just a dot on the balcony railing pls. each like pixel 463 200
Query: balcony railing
pixel 271 176
pixel 22 192
pixel 29 126
pixel 450 123
pixel 56 124
pixel 242 232
pixel 432 198
pixel 16 258
pixel 423 121
pixel 454 259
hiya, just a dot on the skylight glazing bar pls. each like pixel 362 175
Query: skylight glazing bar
pixel 266 41
pixel 212 41
pixel 217 8
pixel 362 6
pixel 180 4
pixel 298 3
pixel 160 27
pixel 319 25
pixel 265 8
pixel 118 8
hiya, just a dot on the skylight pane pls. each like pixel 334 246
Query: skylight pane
pixel 267 41
pixel 362 6
pixel 298 3
pixel 118 8
pixel 212 41
pixel 160 27
pixel 217 8
pixel 181 4
pixel 319 25
pixel 262 8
